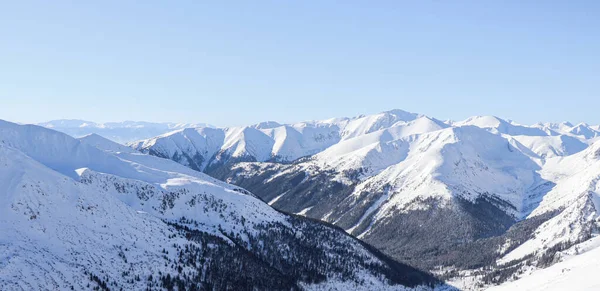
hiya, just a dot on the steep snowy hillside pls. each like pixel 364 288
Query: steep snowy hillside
pixel 105 144
pixel 563 225
pixel 407 195
pixel 577 271
pixel 206 149
pixel 482 194
pixel 575 198
pixel 83 214
pixel 202 147
pixel 550 146
pixel 121 132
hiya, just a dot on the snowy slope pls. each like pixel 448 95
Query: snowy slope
pixel 558 252
pixel 551 146
pixel 105 144
pixel 396 151
pixel 121 132
pixel 576 196
pixel 84 213
pixel 271 141
pixel 424 191
pixel 461 161
pixel 55 231
pixel 370 123
pixel 578 271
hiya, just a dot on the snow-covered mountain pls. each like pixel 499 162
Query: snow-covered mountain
pixel 483 195
pixel 89 213
pixel 203 147
pixel 121 132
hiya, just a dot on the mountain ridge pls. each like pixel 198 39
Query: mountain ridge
pixel 401 180
pixel 87 213
pixel 121 132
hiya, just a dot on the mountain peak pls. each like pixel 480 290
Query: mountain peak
pixel 267 125
pixel 484 121
pixel 104 144
pixel 401 114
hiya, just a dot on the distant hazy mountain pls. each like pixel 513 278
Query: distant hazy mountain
pixel 121 132
pixel 485 196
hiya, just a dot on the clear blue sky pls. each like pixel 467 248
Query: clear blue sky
pixel 239 62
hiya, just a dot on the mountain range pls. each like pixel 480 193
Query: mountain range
pixel 89 213
pixel 120 132
pixel 478 202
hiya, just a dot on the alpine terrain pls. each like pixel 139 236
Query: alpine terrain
pixel 88 213
pixel 479 202
pixel 121 132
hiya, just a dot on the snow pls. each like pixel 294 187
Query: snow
pixel 45 218
pixel 371 123
pixel 376 150
pixel 70 207
pixel 58 192
pixel 531 170
pixel 304 211
pixel 551 146
pixel 247 141
pixel 77 158
pixel 546 167
pixel 412 157
pixel 122 132
pixel 584 130
pixel 371 209
pixel 577 187
pixel 497 125
pixel 276 198
pixel 449 162
pixel 575 272
pixel 104 144
pixel 581 130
